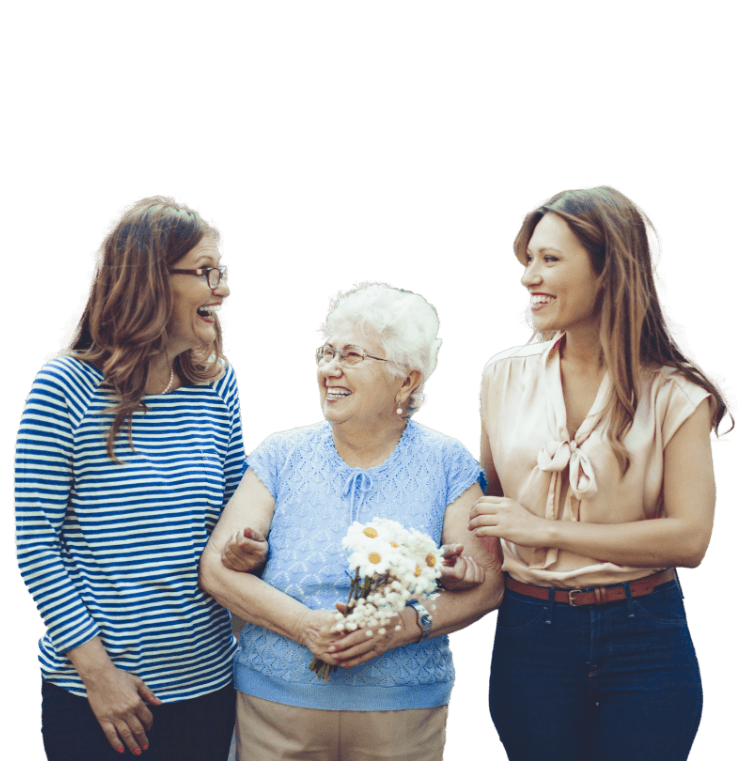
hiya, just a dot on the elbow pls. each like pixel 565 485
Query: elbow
pixel 694 558
pixel 208 573
pixel 694 551
pixel 498 592
pixel 492 593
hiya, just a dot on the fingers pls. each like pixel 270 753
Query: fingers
pixel 365 646
pixel 254 534
pixel 243 553
pixel 451 553
pixel 111 735
pixel 127 731
pixel 146 693
pixel 488 505
pixel 481 521
pixel 452 574
pixel 132 734
pixel 474 572
pixel 358 647
pixel 466 574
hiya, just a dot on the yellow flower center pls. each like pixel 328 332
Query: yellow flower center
pixel 418 571
pixel 375 557
pixel 430 560
pixel 370 532
pixel 394 544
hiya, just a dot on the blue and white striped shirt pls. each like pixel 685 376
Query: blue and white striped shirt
pixel 112 549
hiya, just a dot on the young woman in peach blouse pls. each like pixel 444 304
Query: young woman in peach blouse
pixel 596 447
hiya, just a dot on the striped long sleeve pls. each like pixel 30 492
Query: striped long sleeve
pixel 112 548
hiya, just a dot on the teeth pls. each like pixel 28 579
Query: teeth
pixel 541 299
pixel 212 308
pixel 338 393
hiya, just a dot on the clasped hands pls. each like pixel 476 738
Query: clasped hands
pixel 317 630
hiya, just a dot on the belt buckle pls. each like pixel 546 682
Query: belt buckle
pixel 570 597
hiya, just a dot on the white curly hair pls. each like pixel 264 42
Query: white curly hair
pixel 405 323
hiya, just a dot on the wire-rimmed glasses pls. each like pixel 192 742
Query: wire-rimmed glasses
pixel 350 355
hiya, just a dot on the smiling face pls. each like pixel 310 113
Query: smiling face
pixel 560 278
pixel 192 321
pixel 363 394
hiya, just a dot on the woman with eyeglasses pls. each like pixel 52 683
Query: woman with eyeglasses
pixel 302 491
pixel 129 447
pixel 596 446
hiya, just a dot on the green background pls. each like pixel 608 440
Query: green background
pixel 397 141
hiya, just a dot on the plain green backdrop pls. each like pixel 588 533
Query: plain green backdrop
pixel 340 142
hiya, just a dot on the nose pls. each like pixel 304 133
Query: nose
pixel 222 289
pixel 532 275
pixel 332 369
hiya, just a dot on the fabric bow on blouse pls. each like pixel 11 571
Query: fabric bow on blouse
pixel 359 481
pixel 562 452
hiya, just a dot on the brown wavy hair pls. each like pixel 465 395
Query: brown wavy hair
pixel 633 333
pixel 125 322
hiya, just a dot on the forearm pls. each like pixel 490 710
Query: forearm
pixel 455 610
pixel 249 597
pixel 657 543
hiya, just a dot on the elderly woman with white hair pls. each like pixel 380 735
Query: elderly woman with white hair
pixel 302 490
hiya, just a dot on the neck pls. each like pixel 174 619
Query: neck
pixel 158 375
pixel 582 348
pixel 364 445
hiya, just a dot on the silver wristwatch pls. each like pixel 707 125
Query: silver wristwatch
pixel 424 618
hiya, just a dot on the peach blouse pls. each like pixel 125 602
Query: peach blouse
pixel 523 411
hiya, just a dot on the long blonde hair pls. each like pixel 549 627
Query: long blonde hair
pixel 125 322
pixel 633 332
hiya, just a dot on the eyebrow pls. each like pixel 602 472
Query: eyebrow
pixel 206 259
pixel 347 346
pixel 541 249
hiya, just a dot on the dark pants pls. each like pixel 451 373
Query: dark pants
pixel 616 682
pixel 190 730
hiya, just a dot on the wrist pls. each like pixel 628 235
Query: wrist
pixel 301 627
pixel 422 619
pixel 92 662
pixel 410 631
pixel 551 532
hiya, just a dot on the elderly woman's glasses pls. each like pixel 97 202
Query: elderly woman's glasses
pixel 351 355
pixel 213 275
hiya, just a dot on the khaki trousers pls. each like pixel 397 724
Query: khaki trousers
pixel 267 731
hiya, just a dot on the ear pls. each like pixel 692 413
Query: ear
pixel 412 380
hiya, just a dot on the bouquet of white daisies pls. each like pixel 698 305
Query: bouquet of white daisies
pixel 390 565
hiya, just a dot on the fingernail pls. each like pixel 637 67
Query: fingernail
pixel 137 752
pixel 119 750
pixel 144 747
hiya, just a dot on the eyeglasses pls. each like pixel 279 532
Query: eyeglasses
pixel 213 275
pixel 351 355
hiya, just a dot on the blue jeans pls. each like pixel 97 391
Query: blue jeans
pixel 595 683
pixel 199 729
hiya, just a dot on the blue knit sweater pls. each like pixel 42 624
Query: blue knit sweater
pixel 317 497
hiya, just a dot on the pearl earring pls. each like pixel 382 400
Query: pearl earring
pixel 399 410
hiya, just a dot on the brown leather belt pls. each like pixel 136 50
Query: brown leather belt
pixel 596 595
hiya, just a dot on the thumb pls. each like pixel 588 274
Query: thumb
pixel 254 534
pixel 452 550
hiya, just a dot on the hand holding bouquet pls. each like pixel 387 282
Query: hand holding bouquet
pixel 390 565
